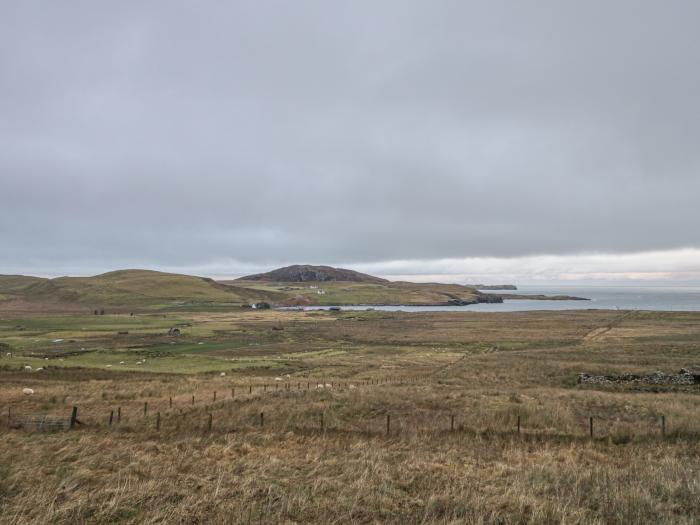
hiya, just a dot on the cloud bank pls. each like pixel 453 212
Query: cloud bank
pixel 253 134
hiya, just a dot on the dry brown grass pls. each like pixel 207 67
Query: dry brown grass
pixel 485 370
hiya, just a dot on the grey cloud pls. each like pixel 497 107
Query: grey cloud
pixel 179 133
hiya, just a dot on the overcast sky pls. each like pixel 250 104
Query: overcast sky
pixel 450 139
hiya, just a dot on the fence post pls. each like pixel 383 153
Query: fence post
pixel 214 397
pixel 119 414
pixel 192 400
pixel 590 424
pixel 158 421
pixel 111 417
pixel 171 402
pixel 518 425
pixel 9 416
pixel 388 424
pixel 145 409
pixel 233 392
pixel 452 423
pixel 74 417
pixel 663 425
pixel 262 419
pixel 250 389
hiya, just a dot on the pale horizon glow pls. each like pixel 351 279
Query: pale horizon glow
pixel 670 267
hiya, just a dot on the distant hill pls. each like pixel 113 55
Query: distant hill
pixel 301 273
pixel 493 286
pixel 131 288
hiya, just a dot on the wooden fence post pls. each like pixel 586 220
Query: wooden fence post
pixel 74 417
pixel 663 425
pixel 119 414
pixel 158 421
pixel 321 421
pixel 171 402
pixel 111 417
pixel 145 409
pixel 452 423
pixel 192 400
pixel 262 419
pixel 250 389
pixel 214 396
pixel 388 424
pixel 590 425
pixel 233 392
pixel 518 425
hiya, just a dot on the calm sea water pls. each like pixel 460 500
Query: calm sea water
pixel 661 298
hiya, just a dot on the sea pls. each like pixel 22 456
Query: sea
pixel 658 298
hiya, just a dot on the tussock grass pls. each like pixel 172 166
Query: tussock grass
pixel 293 470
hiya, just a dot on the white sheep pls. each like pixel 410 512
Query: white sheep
pixel 320 385
pixel 352 387
pixel 287 376
pixel 27 391
pixel 108 366
pixel 39 369
pixel 27 367
pixel 329 385
pixel 222 374
pixel 278 379
pixel 121 362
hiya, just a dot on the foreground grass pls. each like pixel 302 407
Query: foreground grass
pixel 454 387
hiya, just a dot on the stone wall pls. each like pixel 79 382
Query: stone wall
pixel 684 377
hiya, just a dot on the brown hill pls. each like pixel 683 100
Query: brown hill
pixel 300 273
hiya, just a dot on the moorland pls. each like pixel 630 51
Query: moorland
pixel 265 416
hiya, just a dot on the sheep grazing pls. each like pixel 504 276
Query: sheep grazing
pixel 27 391
pixel 222 374
pixel 319 385
pixel 278 379
pixel 121 362
pixel 39 369
pixel 288 376
pixel 352 387
pixel 27 367
pixel 329 385
pixel 108 366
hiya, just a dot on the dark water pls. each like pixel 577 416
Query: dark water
pixel 661 298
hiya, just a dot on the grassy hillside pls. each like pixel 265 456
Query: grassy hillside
pixel 346 293
pixel 128 288
pixel 145 288
pixel 12 284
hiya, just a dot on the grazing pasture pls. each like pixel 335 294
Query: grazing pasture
pixel 351 417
